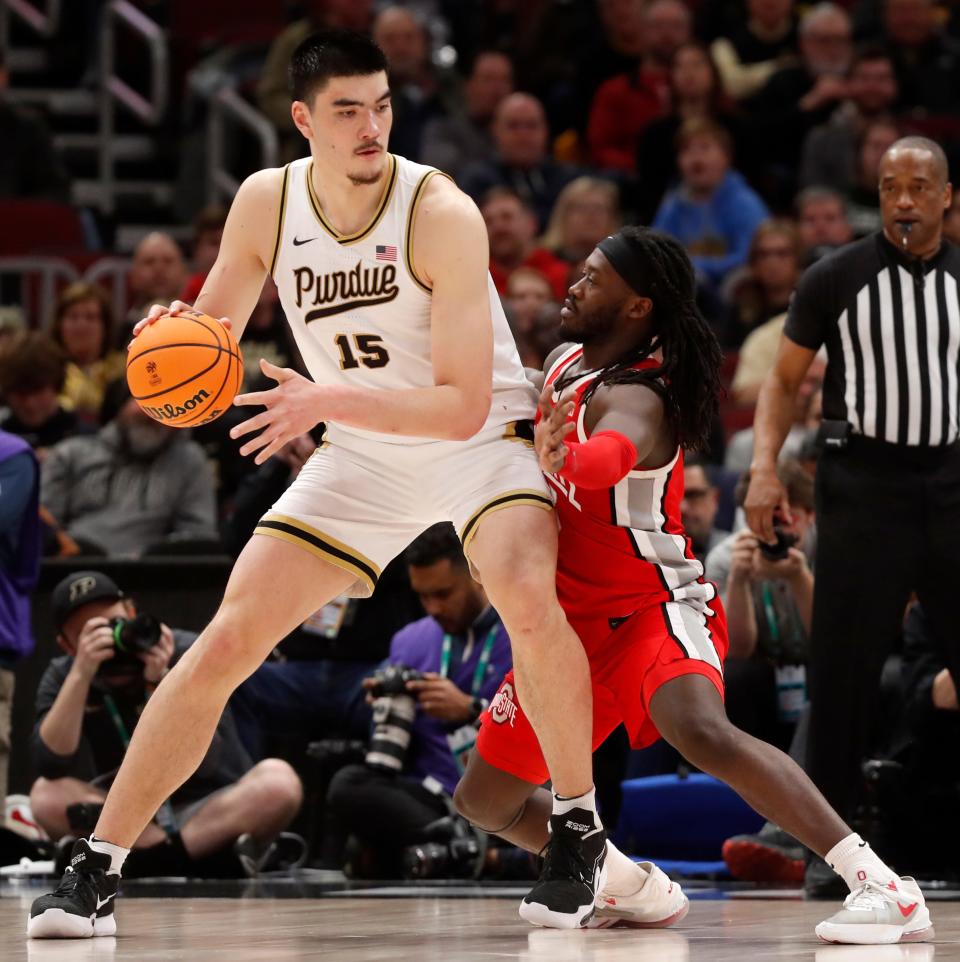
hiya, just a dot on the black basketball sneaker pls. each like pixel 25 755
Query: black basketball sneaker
pixel 573 873
pixel 82 905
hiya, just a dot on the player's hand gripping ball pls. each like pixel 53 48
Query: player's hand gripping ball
pixel 184 369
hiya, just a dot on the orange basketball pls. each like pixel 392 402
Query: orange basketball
pixel 185 369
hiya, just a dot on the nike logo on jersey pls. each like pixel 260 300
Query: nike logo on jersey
pixel 299 243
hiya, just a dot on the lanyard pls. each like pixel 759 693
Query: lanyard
pixel 771 613
pixel 165 816
pixel 481 670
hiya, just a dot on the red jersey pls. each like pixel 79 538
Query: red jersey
pixel 622 548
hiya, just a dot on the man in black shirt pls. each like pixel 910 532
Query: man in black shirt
pixel 88 704
pixel 888 481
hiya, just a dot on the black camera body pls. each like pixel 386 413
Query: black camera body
pixel 131 637
pixel 452 848
pixel 393 679
pixel 780 550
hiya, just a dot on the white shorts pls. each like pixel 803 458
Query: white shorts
pixel 358 503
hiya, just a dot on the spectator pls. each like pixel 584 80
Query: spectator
pixel 523 161
pixel 83 327
pixel 695 92
pixel 863 204
pixel 512 228
pixel 740 449
pixel 157 276
pixel 133 486
pixel 753 50
pixel 713 212
pixel 698 509
pixel 763 292
pixel 822 221
pixel 587 210
pixel 462 648
pixel 88 704
pixel 929 720
pixel 30 168
pixel 421 92
pixel 19 572
pixel 267 336
pixel 207 233
pixel 624 105
pixel 926 59
pixel 769 601
pixel 11 329
pixel 830 151
pixel 951 220
pixel 534 315
pixel 451 142
pixel 273 89
pixel 755 360
pixel 799 97
pixel 32 374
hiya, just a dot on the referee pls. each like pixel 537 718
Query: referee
pixel 888 481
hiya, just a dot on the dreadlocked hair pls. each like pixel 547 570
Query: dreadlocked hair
pixel 688 377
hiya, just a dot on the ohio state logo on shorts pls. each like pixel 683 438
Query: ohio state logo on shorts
pixel 503 707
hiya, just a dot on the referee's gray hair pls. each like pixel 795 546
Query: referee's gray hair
pixel 818 12
pixel 930 146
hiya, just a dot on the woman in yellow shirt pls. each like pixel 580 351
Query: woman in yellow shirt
pixel 82 326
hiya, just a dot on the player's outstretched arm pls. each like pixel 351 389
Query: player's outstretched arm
pixel 625 427
pixel 234 283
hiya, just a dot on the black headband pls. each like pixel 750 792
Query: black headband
pixel 624 261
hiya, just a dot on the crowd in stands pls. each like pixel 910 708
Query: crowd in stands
pixel 750 130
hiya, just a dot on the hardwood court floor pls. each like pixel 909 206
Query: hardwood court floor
pixel 352 929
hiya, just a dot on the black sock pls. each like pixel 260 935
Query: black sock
pixel 168 857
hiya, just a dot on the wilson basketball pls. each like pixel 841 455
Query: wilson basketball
pixel 185 369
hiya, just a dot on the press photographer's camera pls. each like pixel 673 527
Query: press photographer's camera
pixel 780 550
pixel 393 713
pixel 452 849
pixel 131 637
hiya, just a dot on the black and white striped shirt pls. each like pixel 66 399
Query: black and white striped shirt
pixel 891 327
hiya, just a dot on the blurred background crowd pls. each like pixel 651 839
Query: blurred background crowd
pixel 751 130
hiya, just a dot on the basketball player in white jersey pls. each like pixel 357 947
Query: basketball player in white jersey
pixel 382 267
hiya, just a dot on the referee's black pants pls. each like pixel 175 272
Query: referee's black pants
pixel 888 524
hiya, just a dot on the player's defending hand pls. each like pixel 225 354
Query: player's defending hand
pixel 551 431
pixel 291 410
pixel 158 311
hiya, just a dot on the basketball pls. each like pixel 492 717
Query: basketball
pixel 184 369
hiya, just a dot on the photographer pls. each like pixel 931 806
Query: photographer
pixel 88 704
pixel 425 714
pixel 767 591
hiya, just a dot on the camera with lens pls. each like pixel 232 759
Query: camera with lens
pixel 452 848
pixel 780 550
pixel 131 637
pixel 393 713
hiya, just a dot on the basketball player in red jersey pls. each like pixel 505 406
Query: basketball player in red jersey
pixel 615 412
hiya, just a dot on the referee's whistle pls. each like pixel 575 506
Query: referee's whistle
pixel 905 228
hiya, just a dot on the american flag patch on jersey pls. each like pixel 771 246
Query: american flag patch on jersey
pixel 386 252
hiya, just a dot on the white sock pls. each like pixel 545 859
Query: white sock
pixel 853 858
pixel 624 876
pixel 586 801
pixel 116 852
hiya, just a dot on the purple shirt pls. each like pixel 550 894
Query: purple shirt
pixel 419 646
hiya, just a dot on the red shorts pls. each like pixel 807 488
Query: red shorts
pixel 627 664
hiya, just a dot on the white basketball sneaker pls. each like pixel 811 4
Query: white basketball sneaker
pixel 877 914
pixel 655 905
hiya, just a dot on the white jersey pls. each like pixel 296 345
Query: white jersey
pixel 359 311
